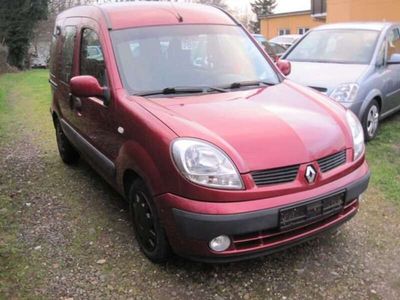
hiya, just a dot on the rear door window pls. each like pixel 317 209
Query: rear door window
pixel 67 55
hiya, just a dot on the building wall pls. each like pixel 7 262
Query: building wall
pixel 363 10
pixel 337 11
pixel 270 27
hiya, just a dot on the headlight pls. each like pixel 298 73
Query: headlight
pixel 357 132
pixel 205 164
pixel 345 92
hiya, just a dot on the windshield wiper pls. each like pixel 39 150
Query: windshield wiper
pixel 182 90
pixel 238 85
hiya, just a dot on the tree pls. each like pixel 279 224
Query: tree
pixel 17 21
pixel 261 8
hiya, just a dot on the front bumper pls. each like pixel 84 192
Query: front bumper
pixel 253 232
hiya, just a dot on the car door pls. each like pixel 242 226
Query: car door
pixel 65 69
pixel 97 123
pixel 392 85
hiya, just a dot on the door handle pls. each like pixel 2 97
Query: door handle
pixel 78 103
pixel 75 102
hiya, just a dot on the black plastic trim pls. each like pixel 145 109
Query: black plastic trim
pixel 205 227
pixel 269 251
pixel 53 83
pixel 88 150
pixel 357 188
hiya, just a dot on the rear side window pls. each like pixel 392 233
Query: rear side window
pixel 53 49
pixel 91 56
pixel 68 37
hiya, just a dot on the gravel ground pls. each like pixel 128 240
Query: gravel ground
pixel 67 235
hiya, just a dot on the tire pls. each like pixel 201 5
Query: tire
pixel 148 230
pixel 370 121
pixel 68 153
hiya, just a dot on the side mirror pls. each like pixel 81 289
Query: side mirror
pixel 86 86
pixel 285 66
pixel 394 59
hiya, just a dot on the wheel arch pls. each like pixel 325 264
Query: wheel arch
pixel 128 177
pixel 373 95
pixel 134 162
pixel 54 117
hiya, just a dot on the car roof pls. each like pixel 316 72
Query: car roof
pixel 378 26
pixel 287 36
pixel 139 14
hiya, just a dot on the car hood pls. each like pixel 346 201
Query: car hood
pixel 325 75
pixel 262 128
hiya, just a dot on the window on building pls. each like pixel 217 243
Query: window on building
pixel 91 56
pixel 303 30
pixel 68 38
pixel 318 7
pixel 283 31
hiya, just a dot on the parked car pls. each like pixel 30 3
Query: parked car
pixel 357 64
pixel 220 160
pixel 279 50
pixel 275 51
pixel 38 62
pixel 286 40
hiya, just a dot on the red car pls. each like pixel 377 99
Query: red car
pixel 181 110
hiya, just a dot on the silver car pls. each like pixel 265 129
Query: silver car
pixel 357 64
pixel 286 40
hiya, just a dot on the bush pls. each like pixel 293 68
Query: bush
pixel 4 66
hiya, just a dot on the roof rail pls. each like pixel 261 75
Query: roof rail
pixel 228 14
pixel 105 15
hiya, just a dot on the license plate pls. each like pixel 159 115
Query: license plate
pixel 305 213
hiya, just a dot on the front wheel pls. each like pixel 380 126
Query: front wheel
pixel 149 232
pixel 370 120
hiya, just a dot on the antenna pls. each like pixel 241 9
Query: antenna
pixel 178 16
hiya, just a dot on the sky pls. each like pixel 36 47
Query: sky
pixel 282 5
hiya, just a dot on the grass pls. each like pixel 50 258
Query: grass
pixel 19 270
pixel 24 112
pixel 383 155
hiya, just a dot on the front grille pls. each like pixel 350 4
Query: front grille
pixel 275 176
pixel 319 89
pixel 333 161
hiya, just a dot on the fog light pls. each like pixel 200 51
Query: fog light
pixel 220 243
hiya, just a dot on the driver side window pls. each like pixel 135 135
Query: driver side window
pixel 91 56
pixel 393 43
pixel 381 58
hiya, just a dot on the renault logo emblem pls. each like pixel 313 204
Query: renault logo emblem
pixel 311 174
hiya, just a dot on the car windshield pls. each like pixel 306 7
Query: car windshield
pixel 336 46
pixel 277 48
pixel 177 56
